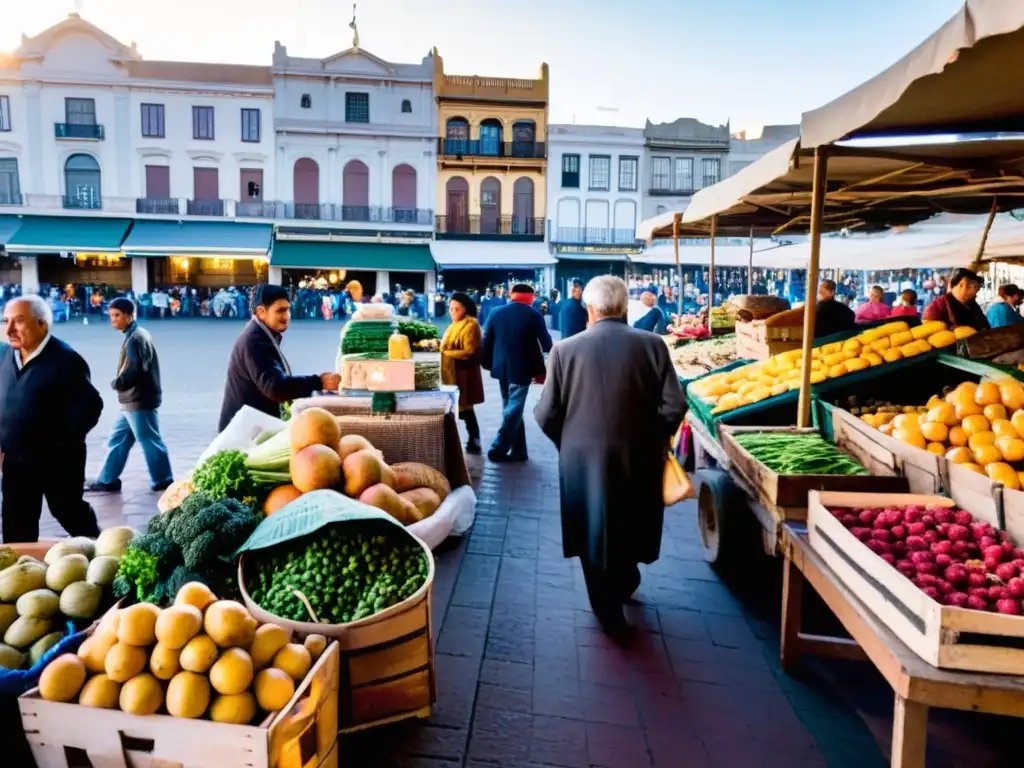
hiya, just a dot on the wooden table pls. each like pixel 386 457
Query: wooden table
pixel 917 685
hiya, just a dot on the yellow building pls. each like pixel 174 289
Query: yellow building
pixel 491 156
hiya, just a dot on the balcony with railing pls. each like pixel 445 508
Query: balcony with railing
pixel 83 202
pixel 205 208
pixel 11 198
pixel 482 148
pixel 167 206
pixel 593 236
pixel 667 189
pixel 90 131
pixel 356 214
pixel 489 227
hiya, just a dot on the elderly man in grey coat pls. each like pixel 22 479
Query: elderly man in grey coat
pixel 611 403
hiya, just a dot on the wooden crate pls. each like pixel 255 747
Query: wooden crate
pixel 756 341
pixel 791 490
pixel 386 660
pixel 302 735
pixel 944 636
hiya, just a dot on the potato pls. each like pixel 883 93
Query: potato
pixel 385 499
pixel 423 500
pixel 410 475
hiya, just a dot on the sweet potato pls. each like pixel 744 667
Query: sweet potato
pixel 386 500
pixel 410 475
pixel 423 500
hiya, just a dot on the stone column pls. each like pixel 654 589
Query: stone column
pixel 383 282
pixel 275 276
pixel 35 154
pixel 140 275
pixel 122 132
pixel 29 274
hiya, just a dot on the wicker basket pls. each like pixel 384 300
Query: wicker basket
pixel 401 437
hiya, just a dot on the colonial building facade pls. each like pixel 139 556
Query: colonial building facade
pixel 682 157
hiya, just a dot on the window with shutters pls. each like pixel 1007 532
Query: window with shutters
pixel 357 107
pixel 153 121
pixel 571 171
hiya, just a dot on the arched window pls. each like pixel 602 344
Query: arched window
pixel 456 136
pixel 523 221
pixel 457 205
pixel 490 137
pixel 306 188
pixel 490 206
pixel 406 106
pixel 524 137
pixel 403 194
pixel 82 182
pixel 355 192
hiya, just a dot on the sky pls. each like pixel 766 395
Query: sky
pixel 750 62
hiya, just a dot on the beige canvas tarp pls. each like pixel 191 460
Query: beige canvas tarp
pixel 965 77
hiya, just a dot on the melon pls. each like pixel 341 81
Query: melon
pixel 102 571
pixel 274 688
pixel 8 615
pixel 195 593
pixel 294 660
pixel 315 644
pixel 42 645
pixel 26 630
pixel 315 467
pixel 20 578
pixel 314 426
pixel 67 547
pixel 39 603
pixel 80 600
pixel 65 570
pixel 228 623
pixel 114 541
pixel 10 658
pixel 198 654
pixel 176 625
pixel 232 673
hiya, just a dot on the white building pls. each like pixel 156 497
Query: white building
pixel 595 194
pixel 91 131
pixel 355 157
pixel 749 145
pixel 681 157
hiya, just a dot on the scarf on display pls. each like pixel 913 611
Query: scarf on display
pixel 522 298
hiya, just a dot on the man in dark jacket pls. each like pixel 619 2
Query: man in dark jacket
pixel 47 407
pixel 515 340
pixel 573 318
pixel 138 391
pixel 258 373
pixel 611 403
pixel 831 316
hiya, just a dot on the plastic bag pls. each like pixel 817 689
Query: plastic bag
pixel 14 682
pixel 454 517
pixel 241 433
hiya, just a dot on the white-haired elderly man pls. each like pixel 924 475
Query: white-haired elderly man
pixel 47 407
pixel 611 403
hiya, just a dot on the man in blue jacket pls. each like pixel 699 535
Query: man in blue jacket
pixel 573 316
pixel 654 320
pixel 515 340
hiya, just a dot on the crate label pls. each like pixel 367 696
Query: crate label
pixel 308 514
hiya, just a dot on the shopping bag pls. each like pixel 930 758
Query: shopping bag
pixel 676 485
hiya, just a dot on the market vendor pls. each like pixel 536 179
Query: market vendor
pixel 654 320
pixel 1005 310
pixel 958 305
pixel 875 309
pixel 258 373
pixel 831 316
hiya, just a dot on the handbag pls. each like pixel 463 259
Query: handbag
pixel 676 485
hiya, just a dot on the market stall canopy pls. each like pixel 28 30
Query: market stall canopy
pixel 320 254
pixel 455 254
pixel 8 226
pixel 57 234
pixel 868 189
pixel 965 78
pixel 214 238
pixel 766 254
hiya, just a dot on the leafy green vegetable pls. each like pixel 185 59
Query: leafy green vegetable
pixel 798 454
pixel 224 475
pixel 417 330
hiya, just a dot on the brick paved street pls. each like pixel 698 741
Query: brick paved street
pixel 525 677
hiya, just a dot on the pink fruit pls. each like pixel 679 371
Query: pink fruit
pixel 912 513
pixel 926 580
pixel 1019 562
pixel 926 568
pixel 900 548
pixel 928 520
pixel 867 516
pixel 894 516
pixel 932 537
pixel 956 574
pixel 942 560
pixel 889 557
pixel 961 548
pixel 880 522
pixel 977 603
pixel 1016 587
pixel 905 567
pixel 849 520
pixel 1006 571
pixel 957 532
pixel 932 592
pixel 986 541
pixel 976 567
pixel 980 530
pixel 994 552
pixel 981 592
pixel 1005 536
pixel 916 529
pixel 1008 606
pixel 899 531
pixel 944 586
pixel 942 547
pixel 975 579
pixel 916 542
pixel 1007 549
pixel 864 534
pixel 991 563
pixel 958 599
pixel 996 592
pixel 963 517
pixel 1018 554
pixel 878 547
pixel 942 515
pixel 922 556
pixel 881 535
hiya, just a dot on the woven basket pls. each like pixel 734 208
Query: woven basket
pixel 401 436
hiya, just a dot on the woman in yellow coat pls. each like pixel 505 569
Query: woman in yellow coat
pixel 460 363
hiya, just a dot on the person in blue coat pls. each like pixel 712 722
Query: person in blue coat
pixel 572 317
pixel 1005 310
pixel 515 340
pixel 654 320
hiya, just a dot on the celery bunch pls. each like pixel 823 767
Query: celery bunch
pixel 272 455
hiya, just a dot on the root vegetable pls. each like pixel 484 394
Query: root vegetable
pixel 1016 587
pixel 956 574
pixel 1006 571
pixel 899 531
pixel 957 599
pixel 958 532
pixel 916 529
pixel 942 560
pixel 977 603
pixel 916 543
pixel 1008 606
pixel 963 517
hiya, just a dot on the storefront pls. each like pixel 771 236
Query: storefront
pixel 70 251
pixel 208 255
pixel 477 266
pixel 10 266
pixel 328 265
pixel 583 263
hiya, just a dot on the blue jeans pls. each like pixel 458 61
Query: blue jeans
pixel 132 426
pixel 511 437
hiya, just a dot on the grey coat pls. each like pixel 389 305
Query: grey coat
pixel 611 403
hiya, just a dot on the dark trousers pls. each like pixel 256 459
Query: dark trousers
pixel 609 587
pixel 60 479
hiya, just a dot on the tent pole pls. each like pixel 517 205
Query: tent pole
pixel 803 418
pixel 750 264
pixel 679 269
pixel 711 271
pixel 984 235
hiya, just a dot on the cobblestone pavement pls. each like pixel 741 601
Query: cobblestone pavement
pixel 525 677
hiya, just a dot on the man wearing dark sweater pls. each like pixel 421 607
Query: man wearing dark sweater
pixel 258 373
pixel 47 407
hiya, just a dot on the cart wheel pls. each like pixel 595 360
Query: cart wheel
pixel 723 518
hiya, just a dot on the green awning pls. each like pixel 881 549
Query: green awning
pixel 214 238
pixel 8 226
pixel 310 254
pixel 53 234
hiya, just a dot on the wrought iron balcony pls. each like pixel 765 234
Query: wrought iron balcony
pixel 167 206
pixel 257 209
pixel 78 131
pixel 366 214
pixel 666 191
pixel 489 226
pixel 205 208
pixel 594 236
pixel 83 202
pixel 309 211
pixel 11 198
pixel 524 150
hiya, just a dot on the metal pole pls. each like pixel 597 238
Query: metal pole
pixel 750 264
pixel 679 269
pixel 803 418
pixel 711 271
